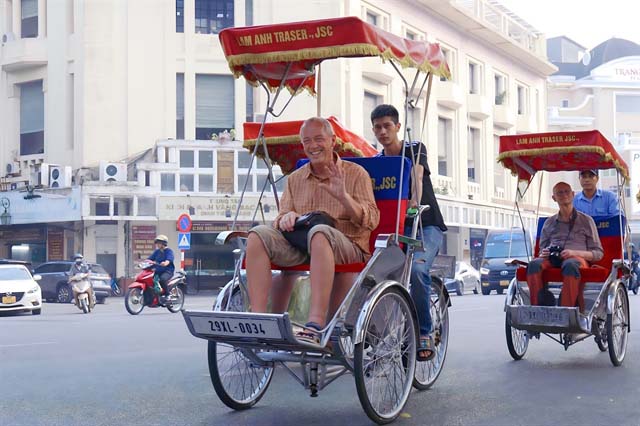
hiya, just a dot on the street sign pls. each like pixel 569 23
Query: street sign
pixel 184 241
pixel 184 223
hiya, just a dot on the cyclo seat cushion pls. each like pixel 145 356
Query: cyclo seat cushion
pixel 610 231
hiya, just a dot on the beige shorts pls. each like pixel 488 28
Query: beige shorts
pixel 284 254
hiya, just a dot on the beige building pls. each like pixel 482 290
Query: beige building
pixel 109 108
pixel 600 89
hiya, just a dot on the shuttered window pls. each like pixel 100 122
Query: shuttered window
pixel 179 106
pixel 215 103
pixel 29 25
pixel 31 118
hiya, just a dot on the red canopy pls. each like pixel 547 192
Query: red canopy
pixel 559 151
pixel 262 53
pixel 285 149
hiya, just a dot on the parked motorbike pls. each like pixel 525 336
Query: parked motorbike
pixel 81 287
pixel 141 293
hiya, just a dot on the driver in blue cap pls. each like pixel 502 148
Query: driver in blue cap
pixel 594 201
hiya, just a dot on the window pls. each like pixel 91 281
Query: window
pixel 565 103
pixel 167 182
pixel 146 206
pixel 249 104
pixel 475 72
pixel 248 12
pixel 628 104
pixel 187 159
pixel 29 18
pixel 371 100
pixel 444 146
pixel 498 170
pixel 205 159
pixel 623 138
pixel 473 155
pixel 179 16
pixel 179 106
pixel 500 89
pixel 259 175
pixel 448 55
pixel 372 18
pixel 212 16
pixel 205 183
pixel 186 183
pixel 31 118
pixel 410 35
pixel 413 123
pixel 522 100
pixel 215 105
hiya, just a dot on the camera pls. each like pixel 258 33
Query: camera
pixel 554 256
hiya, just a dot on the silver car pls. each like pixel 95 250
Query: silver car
pixel 467 278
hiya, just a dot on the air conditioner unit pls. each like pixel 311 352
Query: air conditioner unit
pixel 13 168
pixel 113 172
pixel 55 176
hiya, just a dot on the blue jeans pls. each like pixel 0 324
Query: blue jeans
pixel 420 277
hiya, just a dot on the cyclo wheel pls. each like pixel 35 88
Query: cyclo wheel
pixel 617 327
pixel 238 381
pixel 384 362
pixel 427 372
pixel 517 340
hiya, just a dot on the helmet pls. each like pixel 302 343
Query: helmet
pixel 162 239
pixel 78 257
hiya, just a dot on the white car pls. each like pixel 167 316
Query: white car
pixel 19 291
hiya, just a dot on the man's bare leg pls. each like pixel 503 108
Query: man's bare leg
pixel 342 283
pixel 321 277
pixel 258 273
pixel 281 291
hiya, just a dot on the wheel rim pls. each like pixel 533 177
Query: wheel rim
pixel 619 324
pixel 63 294
pixel 177 299
pixel 519 338
pixel 134 300
pixel 389 360
pixel 428 371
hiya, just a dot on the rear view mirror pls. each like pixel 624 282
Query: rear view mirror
pixel 37 277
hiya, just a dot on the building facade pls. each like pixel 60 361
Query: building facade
pixel 599 88
pixel 114 105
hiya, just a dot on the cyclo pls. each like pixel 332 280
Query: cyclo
pixel 606 315
pixel 374 332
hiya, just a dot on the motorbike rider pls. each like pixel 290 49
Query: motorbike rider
pixel 635 260
pixel 80 267
pixel 163 258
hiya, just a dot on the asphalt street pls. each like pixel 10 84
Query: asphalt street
pixel 111 368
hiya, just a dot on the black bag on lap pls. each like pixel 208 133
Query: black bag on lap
pixel 298 237
pixel 546 298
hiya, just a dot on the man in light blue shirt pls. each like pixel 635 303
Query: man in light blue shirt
pixel 594 201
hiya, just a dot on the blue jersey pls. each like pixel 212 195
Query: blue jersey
pixel 603 203
pixel 160 256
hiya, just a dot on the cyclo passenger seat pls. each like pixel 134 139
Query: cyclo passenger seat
pixel 385 177
pixel 610 233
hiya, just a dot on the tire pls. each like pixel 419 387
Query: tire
pixel 486 291
pixel 460 289
pixel 427 372
pixel 239 382
pixel 500 290
pixel 176 306
pixel 64 294
pixel 635 290
pixel 36 311
pixel 477 289
pixel 617 327
pixel 134 300
pixel 517 340
pixel 603 345
pixel 390 339
pixel 101 300
pixel 84 305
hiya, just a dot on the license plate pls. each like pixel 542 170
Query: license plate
pixel 8 299
pixel 504 283
pixel 546 316
pixel 264 328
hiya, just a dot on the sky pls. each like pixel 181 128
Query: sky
pixel 588 22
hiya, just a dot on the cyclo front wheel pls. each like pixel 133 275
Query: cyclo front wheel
pixel 384 361
pixel 427 372
pixel 617 327
pixel 517 340
pixel 238 381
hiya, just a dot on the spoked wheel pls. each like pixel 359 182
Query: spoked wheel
pixel 617 327
pixel 427 372
pixel 384 362
pixel 239 381
pixel 134 301
pixel 517 340
pixel 176 303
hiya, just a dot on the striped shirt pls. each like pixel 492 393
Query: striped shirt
pixel 303 194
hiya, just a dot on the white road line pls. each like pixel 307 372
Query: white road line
pixel 27 344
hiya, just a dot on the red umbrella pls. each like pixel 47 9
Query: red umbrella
pixel 285 149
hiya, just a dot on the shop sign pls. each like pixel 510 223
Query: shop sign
pixel 55 244
pixel 215 227
pixel 220 208
pixel 24 235
pixel 142 237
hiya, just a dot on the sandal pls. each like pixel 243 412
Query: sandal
pixel 307 334
pixel 425 346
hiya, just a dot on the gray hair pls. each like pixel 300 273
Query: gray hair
pixel 326 126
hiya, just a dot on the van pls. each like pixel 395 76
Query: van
pixel 501 245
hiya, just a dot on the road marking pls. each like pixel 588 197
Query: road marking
pixel 28 344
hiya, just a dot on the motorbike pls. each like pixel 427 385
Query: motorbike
pixel 634 281
pixel 142 293
pixel 80 285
